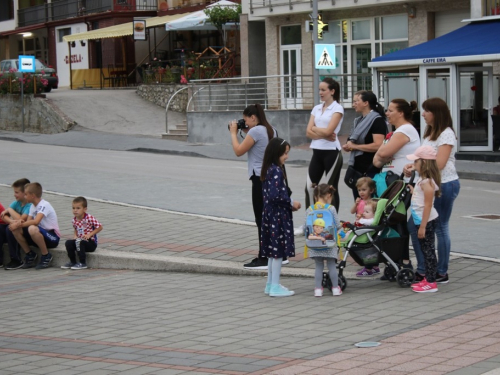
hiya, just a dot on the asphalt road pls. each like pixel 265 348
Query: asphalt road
pixel 209 187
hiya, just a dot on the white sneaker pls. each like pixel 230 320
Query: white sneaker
pixel 299 231
pixel 318 292
pixel 337 291
pixel 285 261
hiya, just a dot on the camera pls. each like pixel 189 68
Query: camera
pixel 240 124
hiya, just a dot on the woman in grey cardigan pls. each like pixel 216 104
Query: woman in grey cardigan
pixel 368 133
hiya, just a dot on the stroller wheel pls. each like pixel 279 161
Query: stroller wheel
pixel 405 277
pixel 389 273
pixel 342 282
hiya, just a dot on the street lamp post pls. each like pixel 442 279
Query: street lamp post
pixel 315 41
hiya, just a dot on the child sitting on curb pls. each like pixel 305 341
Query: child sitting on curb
pixel 40 230
pixel 85 241
pixel 13 217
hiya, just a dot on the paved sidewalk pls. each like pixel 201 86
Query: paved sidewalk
pixel 104 321
pixel 124 322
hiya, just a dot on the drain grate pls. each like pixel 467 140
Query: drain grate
pixel 486 217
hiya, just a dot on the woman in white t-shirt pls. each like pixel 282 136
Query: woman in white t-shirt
pixel 440 135
pixel 391 156
pixel 324 124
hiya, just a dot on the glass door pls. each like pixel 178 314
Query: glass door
pixel 291 82
pixel 475 104
pixel 361 56
pixel 436 82
pixel 291 66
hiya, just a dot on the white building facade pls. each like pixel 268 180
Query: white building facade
pixel 275 42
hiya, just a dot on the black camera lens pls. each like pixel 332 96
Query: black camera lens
pixel 240 124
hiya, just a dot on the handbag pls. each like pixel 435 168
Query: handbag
pixel 352 176
pixel 391 177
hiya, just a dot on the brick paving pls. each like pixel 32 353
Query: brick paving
pixel 102 321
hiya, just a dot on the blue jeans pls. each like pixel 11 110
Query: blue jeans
pixel 443 206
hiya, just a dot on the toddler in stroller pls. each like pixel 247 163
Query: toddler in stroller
pixel 385 240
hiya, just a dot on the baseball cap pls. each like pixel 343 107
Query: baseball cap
pixel 423 152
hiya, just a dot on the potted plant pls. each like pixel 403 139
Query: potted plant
pixel 220 15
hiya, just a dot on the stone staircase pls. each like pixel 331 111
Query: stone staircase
pixel 177 132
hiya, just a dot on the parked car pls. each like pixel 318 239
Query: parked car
pixel 48 73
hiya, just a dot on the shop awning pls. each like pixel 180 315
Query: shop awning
pixel 123 29
pixel 475 42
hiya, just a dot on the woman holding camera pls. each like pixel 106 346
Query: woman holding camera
pixel 258 134
pixel 324 124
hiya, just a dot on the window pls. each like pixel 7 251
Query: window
pixel 62 33
pixel 395 27
pixel 6 10
pixel 357 41
pixel 291 35
pixel 360 30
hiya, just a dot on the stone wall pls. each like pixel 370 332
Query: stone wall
pixel 41 115
pixel 211 127
pixel 160 95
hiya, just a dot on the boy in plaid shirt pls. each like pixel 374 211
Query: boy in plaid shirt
pixel 86 228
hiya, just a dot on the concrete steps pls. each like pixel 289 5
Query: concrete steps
pixel 178 132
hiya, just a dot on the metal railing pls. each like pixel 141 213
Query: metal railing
pixel 281 92
pixel 63 9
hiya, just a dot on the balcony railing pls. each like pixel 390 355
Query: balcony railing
pixel 63 9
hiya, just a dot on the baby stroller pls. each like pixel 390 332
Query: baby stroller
pixel 386 239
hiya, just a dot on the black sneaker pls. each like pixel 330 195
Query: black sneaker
pixel 418 278
pixel 256 264
pixel 440 279
pixel 29 260
pixel 44 261
pixel 385 278
pixel 14 264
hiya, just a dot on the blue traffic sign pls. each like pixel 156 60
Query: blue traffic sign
pixel 27 64
pixel 325 56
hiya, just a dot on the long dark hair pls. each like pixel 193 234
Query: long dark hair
pixel 442 118
pixel 274 150
pixel 371 98
pixel 257 111
pixel 333 85
pixel 407 108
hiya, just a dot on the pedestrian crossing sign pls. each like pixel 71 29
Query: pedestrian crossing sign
pixel 325 56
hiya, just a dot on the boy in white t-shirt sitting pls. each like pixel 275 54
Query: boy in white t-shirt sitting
pixel 40 230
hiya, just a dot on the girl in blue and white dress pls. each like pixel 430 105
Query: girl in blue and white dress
pixel 277 238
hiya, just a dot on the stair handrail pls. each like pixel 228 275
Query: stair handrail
pixel 168 105
pixel 192 96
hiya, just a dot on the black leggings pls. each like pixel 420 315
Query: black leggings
pixel 258 205
pixel 327 164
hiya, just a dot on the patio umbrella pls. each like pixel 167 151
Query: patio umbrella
pixel 198 20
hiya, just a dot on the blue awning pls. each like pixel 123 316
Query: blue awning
pixel 475 42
